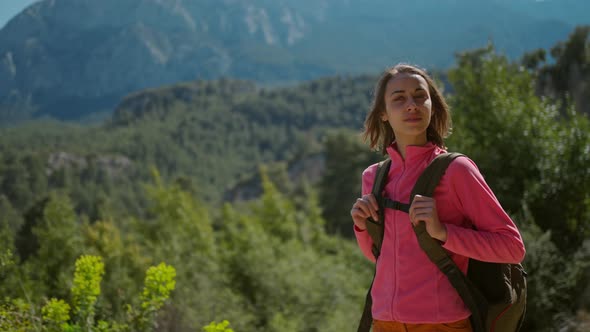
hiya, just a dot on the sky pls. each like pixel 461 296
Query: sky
pixel 9 8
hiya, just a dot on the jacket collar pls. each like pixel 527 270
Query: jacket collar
pixel 414 153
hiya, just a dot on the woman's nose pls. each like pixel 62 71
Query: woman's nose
pixel 412 104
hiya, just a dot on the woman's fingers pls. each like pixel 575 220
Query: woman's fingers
pixel 372 205
pixel 372 201
pixel 359 218
pixel 423 209
pixel 365 207
pixel 423 216
pixel 359 212
pixel 422 200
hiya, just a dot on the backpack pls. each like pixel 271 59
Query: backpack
pixel 495 293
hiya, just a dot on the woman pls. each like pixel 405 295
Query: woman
pixel 408 121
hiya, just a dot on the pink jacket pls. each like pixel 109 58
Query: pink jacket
pixel 408 287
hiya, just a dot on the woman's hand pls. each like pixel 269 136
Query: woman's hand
pixel 424 209
pixel 364 208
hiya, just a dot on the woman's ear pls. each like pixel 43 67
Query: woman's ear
pixel 384 116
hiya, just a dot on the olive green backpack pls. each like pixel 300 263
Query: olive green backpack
pixel 495 293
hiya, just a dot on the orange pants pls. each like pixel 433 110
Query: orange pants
pixel 458 326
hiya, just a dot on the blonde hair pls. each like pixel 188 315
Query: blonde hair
pixel 380 134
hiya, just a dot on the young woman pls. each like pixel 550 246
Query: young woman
pixel 408 121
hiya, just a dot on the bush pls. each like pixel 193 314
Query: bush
pixel 18 315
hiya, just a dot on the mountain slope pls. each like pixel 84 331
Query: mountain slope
pixel 71 58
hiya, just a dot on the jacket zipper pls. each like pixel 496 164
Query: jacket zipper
pixel 394 238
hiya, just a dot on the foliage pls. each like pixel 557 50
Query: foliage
pixel 56 314
pixel 554 282
pixel 218 327
pixel 346 158
pixel 86 288
pixel 520 143
pixel 567 75
pixel 535 158
pixel 564 182
pixel 290 282
pixel 20 315
pixel 123 261
pixel 55 229
pixel 499 122
pixel 159 282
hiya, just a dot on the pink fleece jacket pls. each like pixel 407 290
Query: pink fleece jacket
pixel 408 287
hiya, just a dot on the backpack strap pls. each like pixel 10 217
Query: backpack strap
pixel 376 229
pixel 472 298
pixel 430 177
pixel 388 203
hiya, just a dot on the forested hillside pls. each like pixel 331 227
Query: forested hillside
pixel 148 186
pixel 208 133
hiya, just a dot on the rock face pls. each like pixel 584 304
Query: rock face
pixel 89 53
pixel 309 169
pixel 74 57
pixel 119 45
pixel 112 166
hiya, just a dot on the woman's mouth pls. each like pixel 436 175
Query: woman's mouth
pixel 413 119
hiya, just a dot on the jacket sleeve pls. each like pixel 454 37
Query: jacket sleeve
pixel 495 237
pixel 362 236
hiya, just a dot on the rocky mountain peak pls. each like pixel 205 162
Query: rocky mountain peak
pixel 76 57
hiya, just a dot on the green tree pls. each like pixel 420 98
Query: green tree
pixel 10 274
pixel 86 289
pixel 15 182
pixel 123 259
pixel 499 122
pixel 180 231
pixel 288 281
pixel 535 159
pixel 58 235
pixel 566 77
pixel 159 282
pixel 346 158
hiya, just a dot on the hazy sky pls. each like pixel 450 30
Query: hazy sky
pixel 9 8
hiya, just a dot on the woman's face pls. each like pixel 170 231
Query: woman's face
pixel 408 107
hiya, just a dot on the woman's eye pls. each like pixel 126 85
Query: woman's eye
pixel 400 98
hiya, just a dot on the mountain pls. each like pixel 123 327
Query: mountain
pixel 70 59
pixel 570 11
